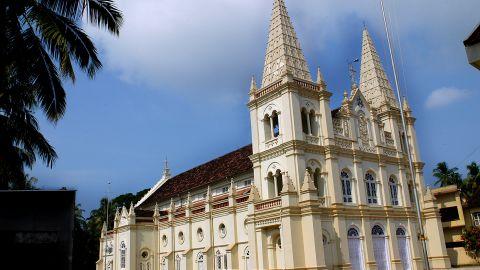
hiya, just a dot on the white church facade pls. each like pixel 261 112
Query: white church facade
pixel 317 188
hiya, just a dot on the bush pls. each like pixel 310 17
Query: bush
pixel 471 237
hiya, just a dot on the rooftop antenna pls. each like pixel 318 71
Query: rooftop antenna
pixel 407 145
pixel 352 73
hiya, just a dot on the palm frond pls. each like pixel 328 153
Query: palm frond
pixel 104 13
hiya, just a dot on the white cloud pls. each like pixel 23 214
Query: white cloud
pixel 445 96
pixel 210 48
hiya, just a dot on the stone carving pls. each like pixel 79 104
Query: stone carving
pixel 363 129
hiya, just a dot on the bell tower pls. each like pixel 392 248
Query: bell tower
pixel 289 112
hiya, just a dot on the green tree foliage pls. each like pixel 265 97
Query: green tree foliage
pixel 446 176
pixel 471 238
pixel 469 186
pixel 87 232
pixel 40 42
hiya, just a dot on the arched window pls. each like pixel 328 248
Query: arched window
pixel 267 127
pixel 371 186
pixel 352 232
pixel 403 248
pixel 380 248
pixel 275 124
pixel 355 249
pixel 346 187
pixel 278 182
pixel 178 260
pixel 200 261
pixel 377 230
pixel 309 123
pixel 304 121
pixel 317 180
pixel 313 123
pixel 393 190
pixel 123 251
pixel 271 126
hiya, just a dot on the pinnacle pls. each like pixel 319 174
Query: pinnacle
pixel 374 83
pixel 253 84
pixel 283 54
pixel 320 79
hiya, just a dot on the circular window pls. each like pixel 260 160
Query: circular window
pixel 145 254
pixel 222 231
pixel 164 240
pixel 181 238
pixel 199 234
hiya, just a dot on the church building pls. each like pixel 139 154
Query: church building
pixel 318 188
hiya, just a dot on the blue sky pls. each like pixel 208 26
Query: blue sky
pixel 175 84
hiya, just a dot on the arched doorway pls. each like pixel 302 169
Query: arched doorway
pixel 355 249
pixel 380 248
pixel 404 249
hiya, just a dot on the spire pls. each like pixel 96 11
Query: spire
pixel 253 84
pixel 320 79
pixel 156 212
pixel 374 84
pixel 308 182
pixel 283 49
pixel 104 227
pixel 405 105
pixel 131 211
pixel 166 170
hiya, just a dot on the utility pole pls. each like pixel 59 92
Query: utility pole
pixel 407 145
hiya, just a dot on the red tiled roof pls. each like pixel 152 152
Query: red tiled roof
pixel 224 167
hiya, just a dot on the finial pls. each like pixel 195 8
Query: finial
pixel 308 182
pixel 131 211
pixel 104 227
pixel 156 212
pixel 405 105
pixel 364 26
pixel 166 170
pixel 320 79
pixel 253 84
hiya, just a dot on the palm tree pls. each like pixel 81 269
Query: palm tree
pixel 446 176
pixel 471 185
pixel 40 41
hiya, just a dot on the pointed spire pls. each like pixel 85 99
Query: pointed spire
pixel 116 221
pixel 253 84
pixel 104 227
pixel 287 184
pixel 208 195
pixel 124 212
pixel 284 54
pixel 232 189
pixel 320 79
pixel 131 211
pixel 156 211
pixel 374 84
pixel 405 105
pixel 254 194
pixel 308 184
pixel 166 170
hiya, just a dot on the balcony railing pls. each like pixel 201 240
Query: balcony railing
pixel 268 204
